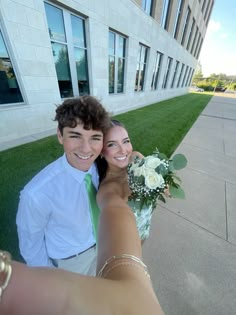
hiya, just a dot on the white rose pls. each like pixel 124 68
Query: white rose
pixel 153 180
pixel 133 166
pixel 152 162
pixel 140 171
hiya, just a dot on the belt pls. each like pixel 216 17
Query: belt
pixel 73 256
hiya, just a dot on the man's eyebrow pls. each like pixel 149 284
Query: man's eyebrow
pixel 98 135
pixel 75 133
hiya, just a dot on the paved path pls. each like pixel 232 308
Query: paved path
pixel 191 252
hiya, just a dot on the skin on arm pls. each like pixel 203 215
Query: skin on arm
pixel 126 289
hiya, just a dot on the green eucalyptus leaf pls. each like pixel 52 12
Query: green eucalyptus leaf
pixel 163 156
pixel 177 192
pixel 179 161
pixel 160 169
pixel 171 166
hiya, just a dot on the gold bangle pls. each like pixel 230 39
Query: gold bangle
pixel 135 261
pixel 125 263
pixel 5 271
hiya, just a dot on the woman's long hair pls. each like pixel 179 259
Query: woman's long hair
pixel 101 162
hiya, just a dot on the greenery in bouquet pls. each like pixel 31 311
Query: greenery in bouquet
pixel 152 175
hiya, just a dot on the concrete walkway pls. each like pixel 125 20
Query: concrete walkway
pixel 191 252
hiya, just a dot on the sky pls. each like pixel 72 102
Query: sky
pixel 218 53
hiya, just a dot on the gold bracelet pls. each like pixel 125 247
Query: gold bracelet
pixel 135 261
pixel 125 263
pixel 5 271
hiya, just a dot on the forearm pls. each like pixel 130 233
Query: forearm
pixel 117 232
pixel 34 291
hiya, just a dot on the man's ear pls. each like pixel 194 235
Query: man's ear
pixel 59 136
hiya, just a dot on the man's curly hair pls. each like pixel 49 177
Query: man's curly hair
pixel 86 110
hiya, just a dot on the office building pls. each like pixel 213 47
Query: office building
pixel 126 53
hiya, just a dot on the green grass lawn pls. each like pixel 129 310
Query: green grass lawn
pixel 162 125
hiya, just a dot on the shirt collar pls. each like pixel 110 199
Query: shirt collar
pixel 77 174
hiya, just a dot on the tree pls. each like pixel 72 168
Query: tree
pixel 198 76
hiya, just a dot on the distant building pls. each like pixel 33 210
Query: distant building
pixel 127 53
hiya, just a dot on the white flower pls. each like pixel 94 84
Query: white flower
pixel 133 166
pixel 152 162
pixel 141 170
pixel 153 180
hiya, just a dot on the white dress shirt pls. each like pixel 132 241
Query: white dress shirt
pixel 53 218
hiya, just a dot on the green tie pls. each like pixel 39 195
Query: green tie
pixel 95 211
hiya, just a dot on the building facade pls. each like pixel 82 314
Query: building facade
pixel 127 53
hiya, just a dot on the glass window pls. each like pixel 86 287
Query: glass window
pixel 208 5
pixel 167 74
pixel 199 48
pixel 209 13
pixel 187 79
pixel 180 75
pixel 185 27
pixel 116 62
pixel 141 68
pixel 190 77
pixel 165 13
pixel 194 40
pixel 156 70
pixel 197 45
pixel 175 73
pixel 190 33
pixel 9 89
pixel 147 6
pixel 178 18
pixel 68 41
pixel 185 76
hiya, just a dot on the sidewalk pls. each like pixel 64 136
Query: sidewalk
pixel 191 252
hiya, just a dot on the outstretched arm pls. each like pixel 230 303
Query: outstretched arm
pixel 127 289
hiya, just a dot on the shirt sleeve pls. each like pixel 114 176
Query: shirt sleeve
pixel 31 221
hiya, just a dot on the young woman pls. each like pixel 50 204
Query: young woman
pixel 116 154
pixel 125 287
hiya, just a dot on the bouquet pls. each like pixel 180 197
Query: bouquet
pixel 152 175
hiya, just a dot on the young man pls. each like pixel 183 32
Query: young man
pixel 54 219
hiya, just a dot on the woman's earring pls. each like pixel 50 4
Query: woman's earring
pixel 101 156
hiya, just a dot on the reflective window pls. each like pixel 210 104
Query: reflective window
pixel 175 73
pixel 141 68
pixel 185 76
pixel 116 62
pixel 185 27
pixel 194 40
pixel 9 89
pixel 67 34
pixel 167 73
pixel 165 13
pixel 180 74
pixel 190 33
pixel 147 6
pixel 156 71
pixel 178 18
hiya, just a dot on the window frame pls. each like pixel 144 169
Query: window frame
pixel 10 56
pixel 167 72
pixel 177 63
pixel 156 70
pixel 116 62
pixel 178 17
pixel 70 45
pixel 138 70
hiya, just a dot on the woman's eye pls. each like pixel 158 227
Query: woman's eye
pixel 111 145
